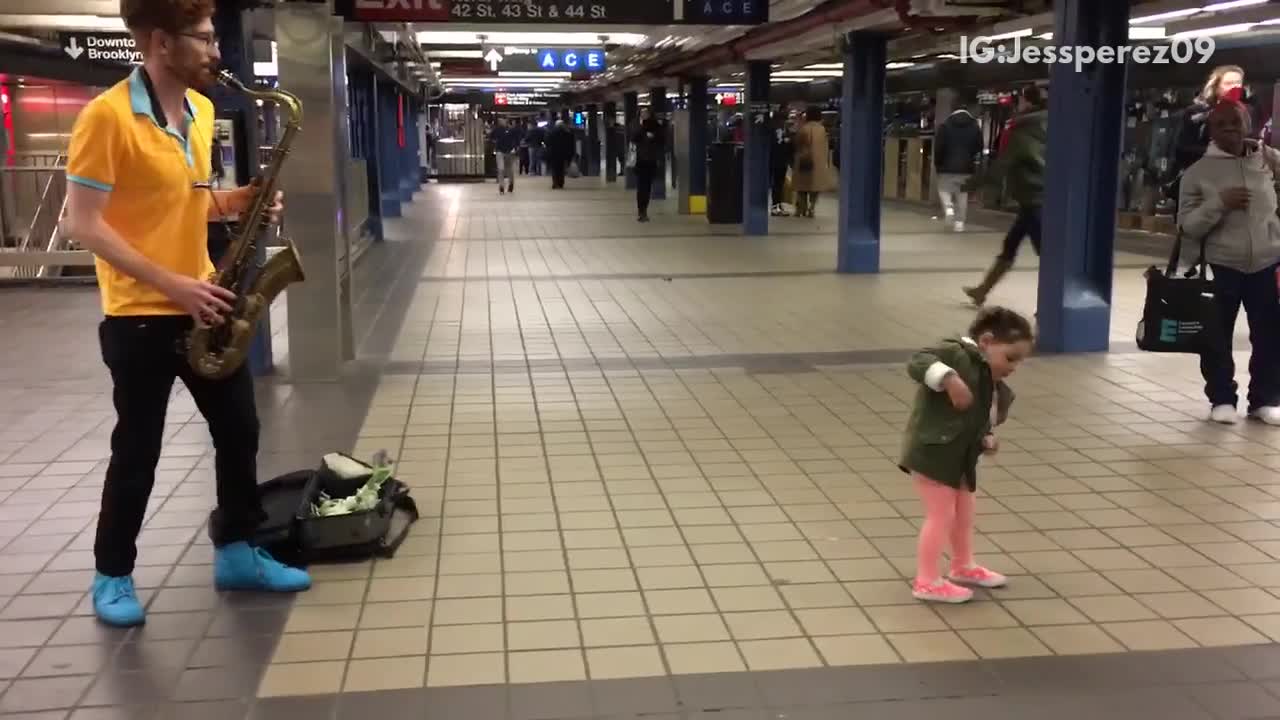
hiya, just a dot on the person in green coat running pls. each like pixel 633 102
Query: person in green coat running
pixel 962 397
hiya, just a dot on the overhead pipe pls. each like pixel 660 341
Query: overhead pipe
pixel 932 23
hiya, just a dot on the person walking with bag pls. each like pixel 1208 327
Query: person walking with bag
pixel 812 173
pixel 1227 201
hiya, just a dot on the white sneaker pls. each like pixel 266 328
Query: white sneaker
pixel 959 227
pixel 1225 414
pixel 1269 415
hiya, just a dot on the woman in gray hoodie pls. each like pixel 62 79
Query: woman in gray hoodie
pixel 1228 198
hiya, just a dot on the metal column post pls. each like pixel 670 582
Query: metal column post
pixel 312 61
pixel 755 165
pixel 861 156
pixel 631 115
pixel 661 112
pixel 697 172
pixel 592 141
pixel 1086 119
pixel 235 41
pixel 609 142
pixel 366 91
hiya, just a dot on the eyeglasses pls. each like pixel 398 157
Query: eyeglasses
pixel 209 39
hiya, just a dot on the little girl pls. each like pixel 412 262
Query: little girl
pixel 961 399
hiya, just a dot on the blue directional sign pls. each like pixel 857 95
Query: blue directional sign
pixel 572 60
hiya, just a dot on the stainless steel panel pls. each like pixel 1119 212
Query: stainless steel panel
pixel 313 180
pixel 680 136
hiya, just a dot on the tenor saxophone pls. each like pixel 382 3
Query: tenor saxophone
pixel 216 352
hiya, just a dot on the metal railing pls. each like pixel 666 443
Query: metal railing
pixel 34 192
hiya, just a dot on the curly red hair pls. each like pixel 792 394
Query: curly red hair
pixel 171 16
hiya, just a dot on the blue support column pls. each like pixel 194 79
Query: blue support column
pixel 412 145
pixel 861 154
pixel 662 113
pixel 631 115
pixel 1086 120
pixel 236 46
pixel 697 146
pixel 611 150
pixel 755 164
pixel 593 142
pixel 400 145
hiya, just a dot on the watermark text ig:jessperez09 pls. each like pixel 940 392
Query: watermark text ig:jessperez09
pixel 1182 51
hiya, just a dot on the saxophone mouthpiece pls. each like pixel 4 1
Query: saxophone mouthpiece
pixel 226 77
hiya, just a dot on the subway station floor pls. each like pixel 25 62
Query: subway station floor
pixel 655 466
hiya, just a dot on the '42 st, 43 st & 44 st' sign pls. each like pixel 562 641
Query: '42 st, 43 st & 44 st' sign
pixel 596 12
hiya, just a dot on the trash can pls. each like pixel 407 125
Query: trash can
pixel 724 183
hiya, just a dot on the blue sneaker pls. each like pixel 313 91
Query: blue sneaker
pixel 116 601
pixel 239 566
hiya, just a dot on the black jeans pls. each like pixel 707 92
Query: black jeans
pixel 1257 293
pixel 1025 223
pixel 779 184
pixel 143 356
pixel 644 186
pixel 558 167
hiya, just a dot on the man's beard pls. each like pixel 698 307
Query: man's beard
pixel 195 76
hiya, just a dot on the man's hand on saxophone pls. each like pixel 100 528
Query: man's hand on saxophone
pixel 232 204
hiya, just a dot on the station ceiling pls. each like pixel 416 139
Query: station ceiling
pixel 637 57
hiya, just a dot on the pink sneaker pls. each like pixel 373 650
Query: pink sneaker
pixel 941 591
pixel 978 576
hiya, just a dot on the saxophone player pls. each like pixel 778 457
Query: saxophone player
pixel 138 198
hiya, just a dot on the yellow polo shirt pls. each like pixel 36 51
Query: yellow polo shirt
pixel 118 146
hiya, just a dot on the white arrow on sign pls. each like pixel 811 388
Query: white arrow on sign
pixel 73 49
pixel 493 58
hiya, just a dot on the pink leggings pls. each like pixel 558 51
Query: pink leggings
pixel 948 516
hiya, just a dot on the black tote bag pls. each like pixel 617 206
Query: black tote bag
pixel 1180 314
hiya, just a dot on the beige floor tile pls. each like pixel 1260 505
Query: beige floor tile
pixel 697 658
pixel 678 602
pixel 604 605
pixel 691 628
pixel 930 646
pixel 1179 605
pixel 625 662
pixel 823 595
pixel 739 599
pixel 539 607
pixel 310 647
pixel 391 642
pixel 785 654
pixel 541 666
pixel 1044 612
pixel 1248 601
pixel 843 650
pixel 975 616
pixel 1220 632
pixel 1080 584
pixel 1113 608
pixel 536 583
pixel 1004 643
pixel 293 679
pixel 413 613
pixel 835 621
pixel 1149 635
pixel 905 618
pixel 474 669
pixel 617 631
pixel 466 639
pixel 385 674
pixel 333 592
pixel 762 625
pixel 1077 640
pixel 318 618
pixel 467 611
pixel 544 635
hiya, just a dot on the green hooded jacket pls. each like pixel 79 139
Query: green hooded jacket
pixel 940 442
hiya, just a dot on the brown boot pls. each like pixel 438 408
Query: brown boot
pixel 979 294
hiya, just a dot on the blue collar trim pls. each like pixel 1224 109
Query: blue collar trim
pixel 141 103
